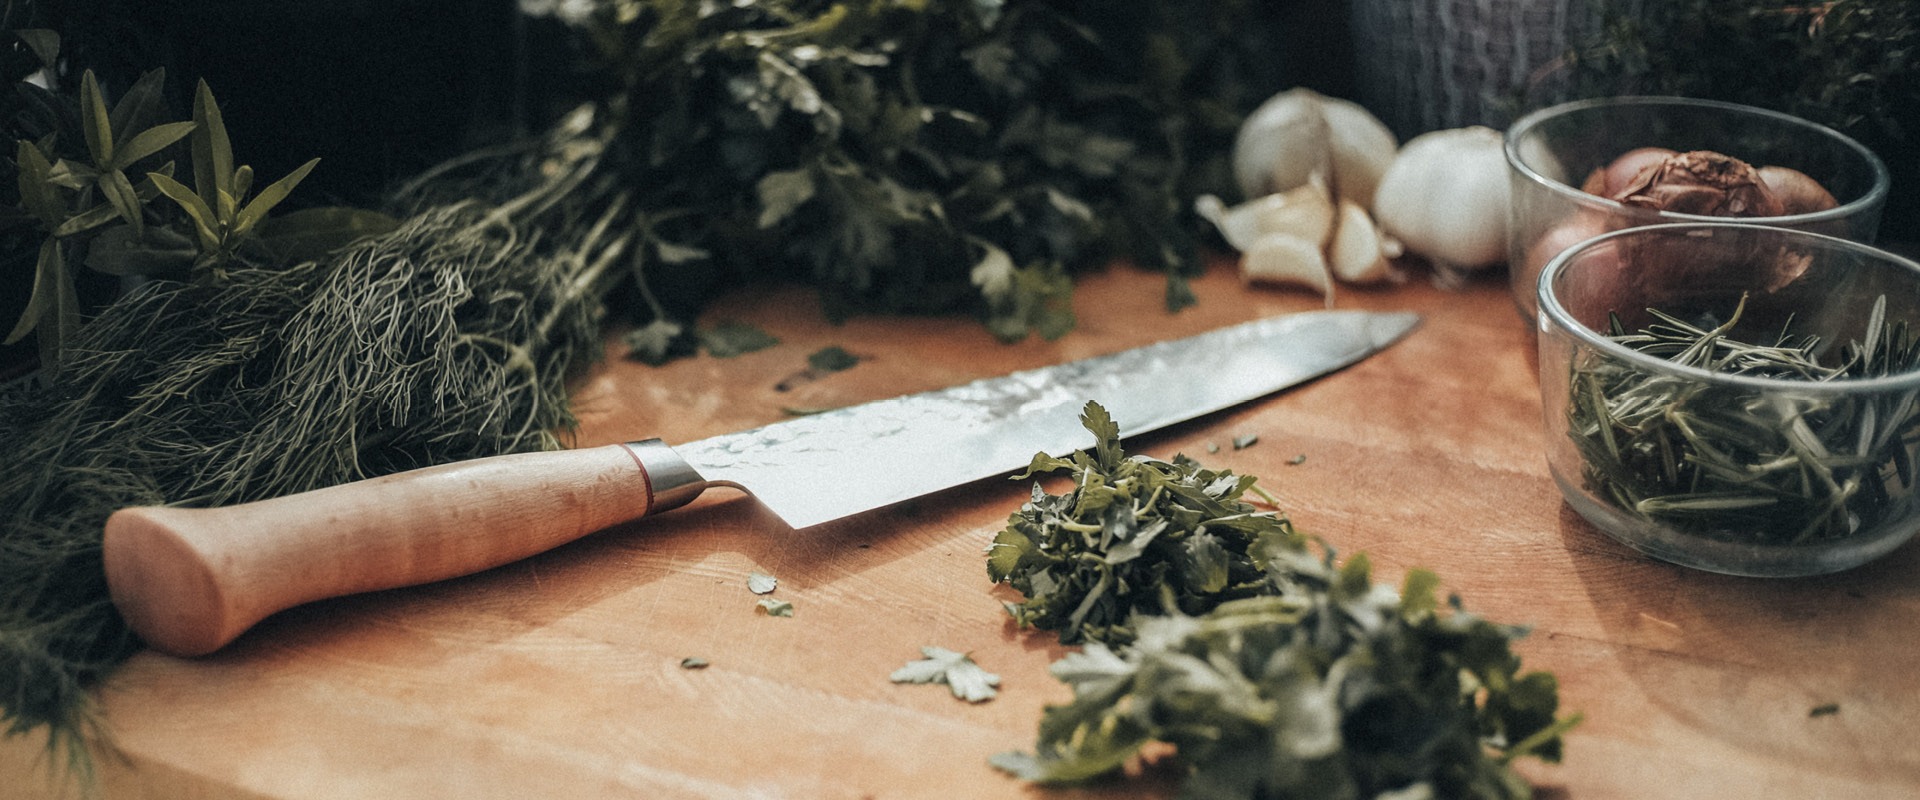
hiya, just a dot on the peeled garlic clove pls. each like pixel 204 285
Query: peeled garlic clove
pixel 1446 198
pixel 1282 144
pixel 1362 149
pixel 1356 253
pixel 1305 212
pixel 1281 258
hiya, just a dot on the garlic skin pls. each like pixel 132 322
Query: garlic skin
pixel 1446 198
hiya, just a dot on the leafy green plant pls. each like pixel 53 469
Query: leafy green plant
pixel 70 201
pixel 89 212
pixel 218 206
pixel 921 157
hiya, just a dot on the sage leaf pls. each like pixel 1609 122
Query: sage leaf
pixel 212 152
pixel 96 126
pixel 269 197
pixel 148 142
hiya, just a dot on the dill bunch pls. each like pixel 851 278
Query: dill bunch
pixel 450 338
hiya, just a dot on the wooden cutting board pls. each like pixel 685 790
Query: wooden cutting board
pixel 561 676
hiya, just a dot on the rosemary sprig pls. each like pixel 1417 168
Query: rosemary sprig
pixel 1742 464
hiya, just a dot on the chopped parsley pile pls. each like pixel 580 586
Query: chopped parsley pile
pixel 1274 671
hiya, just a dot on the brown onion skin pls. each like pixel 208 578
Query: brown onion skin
pixel 1600 284
pixel 1798 193
pixel 1621 172
pixel 1703 183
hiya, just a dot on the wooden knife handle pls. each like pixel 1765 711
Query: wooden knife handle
pixel 189 581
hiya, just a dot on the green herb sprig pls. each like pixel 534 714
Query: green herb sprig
pixel 1732 462
pixel 1314 682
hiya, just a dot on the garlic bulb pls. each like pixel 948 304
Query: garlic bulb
pixel 1282 144
pixel 1362 149
pixel 1299 134
pixel 1446 198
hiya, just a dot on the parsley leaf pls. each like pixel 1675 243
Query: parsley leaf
pixel 658 342
pixel 776 608
pixel 966 679
pixel 761 583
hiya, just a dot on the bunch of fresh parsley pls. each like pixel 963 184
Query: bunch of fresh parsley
pixel 1272 670
pixel 921 156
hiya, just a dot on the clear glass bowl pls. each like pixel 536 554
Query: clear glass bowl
pixel 1740 474
pixel 1552 151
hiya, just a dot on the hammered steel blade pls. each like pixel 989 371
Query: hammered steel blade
pixel 825 466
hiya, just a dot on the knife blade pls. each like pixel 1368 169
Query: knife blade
pixel 189 581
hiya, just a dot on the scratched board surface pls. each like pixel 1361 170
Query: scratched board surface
pixel 561 676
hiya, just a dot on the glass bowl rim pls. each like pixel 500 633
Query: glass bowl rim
pixel 1552 311
pixel 1875 196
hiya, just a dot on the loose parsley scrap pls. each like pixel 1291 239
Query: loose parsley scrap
pixel 776 608
pixel 732 338
pixel 761 583
pixel 1134 535
pixel 957 670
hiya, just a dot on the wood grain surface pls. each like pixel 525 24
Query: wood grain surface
pixel 560 676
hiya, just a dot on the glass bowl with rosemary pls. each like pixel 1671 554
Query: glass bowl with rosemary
pixel 1583 168
pixel 1736 398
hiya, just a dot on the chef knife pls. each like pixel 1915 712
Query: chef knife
pixel 188 581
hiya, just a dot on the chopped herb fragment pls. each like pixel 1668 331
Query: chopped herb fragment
pixel 761 583
pixel 658 342
pixel 1298 676
pixel 832 359
pixel 966 679
pixel 729 339
pixel 1297 460
pixel 693 662
pixel 1136 535
pixel 776 608
pixel 1824 710
pixel 1244 442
